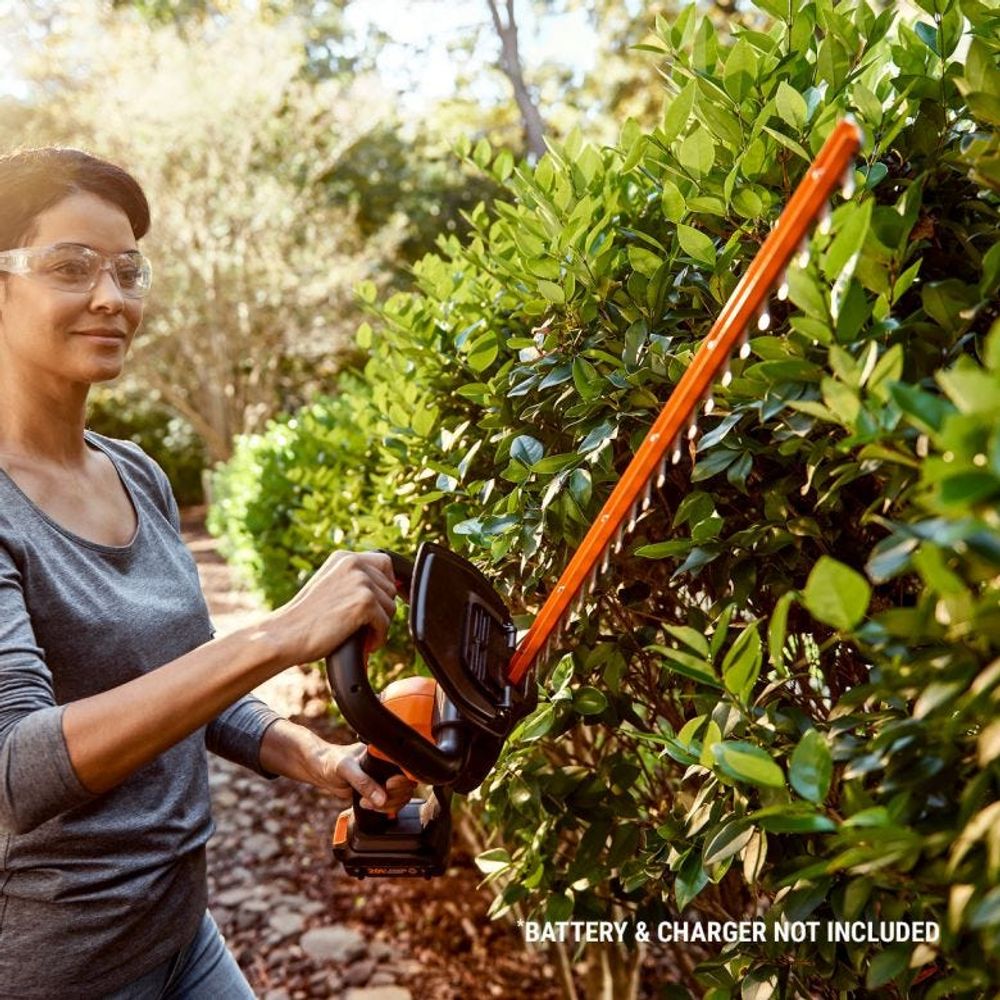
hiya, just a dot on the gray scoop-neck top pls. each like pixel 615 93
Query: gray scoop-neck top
pixel 96 890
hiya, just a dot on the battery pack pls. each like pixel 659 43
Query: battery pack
pixel 413 845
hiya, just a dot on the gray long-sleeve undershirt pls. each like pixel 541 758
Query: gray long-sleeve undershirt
pixel 95 890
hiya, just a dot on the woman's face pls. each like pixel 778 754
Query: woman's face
pixel 79 336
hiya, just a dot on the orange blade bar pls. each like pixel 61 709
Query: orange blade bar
pixel 805 205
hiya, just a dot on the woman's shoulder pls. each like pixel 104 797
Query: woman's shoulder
pixel 133 462
pixel 128 452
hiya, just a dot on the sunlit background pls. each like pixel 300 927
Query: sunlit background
pixel 292 149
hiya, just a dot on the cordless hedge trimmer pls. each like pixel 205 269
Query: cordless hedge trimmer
pixel 448 731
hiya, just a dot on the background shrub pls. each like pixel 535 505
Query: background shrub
pixel 305 486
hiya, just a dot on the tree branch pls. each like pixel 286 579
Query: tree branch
pixel 510 64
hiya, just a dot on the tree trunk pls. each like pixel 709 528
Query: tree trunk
pixel 612 971
pixel 510 63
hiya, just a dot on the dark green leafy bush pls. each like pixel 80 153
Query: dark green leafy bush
pixel 783 696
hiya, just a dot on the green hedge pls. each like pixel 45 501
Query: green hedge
pixel 305 486
pixel 783 696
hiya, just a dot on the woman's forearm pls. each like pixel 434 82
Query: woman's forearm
pixel 112 734
pixel 291 751
pixel 296 752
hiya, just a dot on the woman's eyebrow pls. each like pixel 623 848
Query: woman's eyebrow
pixel 87 246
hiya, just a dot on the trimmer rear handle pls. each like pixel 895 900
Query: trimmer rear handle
pixel 446 731
pixel 347 669
pixel 464 634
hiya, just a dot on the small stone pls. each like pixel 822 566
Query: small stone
pixel 276 995
pixel 291 902
pixel 410 967
pixel 379 949
pixel 286 924
pixel 332 944
pixel 379 993
pixel 225 798
pixel 315 708
pixel 360 972
pixel 234 897
pixel 262 845
pixel 244 919
pixel 382 978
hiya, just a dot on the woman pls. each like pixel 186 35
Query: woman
pixel 111 684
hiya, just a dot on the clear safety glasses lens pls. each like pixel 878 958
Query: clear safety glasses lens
pixel 78 269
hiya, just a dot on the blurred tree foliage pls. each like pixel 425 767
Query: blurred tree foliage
pixel 131 413
pixel 387 176
pixel 253 265
pixel 606 84
pixel 272 198
pixel 331 48
pixel 271 195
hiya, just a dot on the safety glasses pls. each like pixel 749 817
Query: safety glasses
pixel 72 267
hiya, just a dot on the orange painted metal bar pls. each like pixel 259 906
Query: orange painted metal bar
pixel 739 311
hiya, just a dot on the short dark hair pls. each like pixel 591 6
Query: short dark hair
pixel 33 180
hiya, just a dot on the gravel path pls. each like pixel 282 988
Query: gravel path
pixel 297 925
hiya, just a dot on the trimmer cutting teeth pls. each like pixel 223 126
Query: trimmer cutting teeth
pixel 448 732
pixel 678 418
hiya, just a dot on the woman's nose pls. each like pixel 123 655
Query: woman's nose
pixel 106 293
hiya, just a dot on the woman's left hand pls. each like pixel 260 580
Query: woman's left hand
pixel 338 771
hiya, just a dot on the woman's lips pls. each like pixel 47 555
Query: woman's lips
pixel 103 336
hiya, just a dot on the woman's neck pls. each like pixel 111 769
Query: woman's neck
pixel 42 420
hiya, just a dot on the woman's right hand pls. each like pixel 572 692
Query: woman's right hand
pixel 351 590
